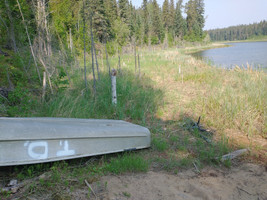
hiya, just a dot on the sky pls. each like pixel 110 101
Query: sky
pixel 224 13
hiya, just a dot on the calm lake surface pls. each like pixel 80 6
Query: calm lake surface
pixel 253 53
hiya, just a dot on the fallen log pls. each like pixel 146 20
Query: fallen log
pixel 233 155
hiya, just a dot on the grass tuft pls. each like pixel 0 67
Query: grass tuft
pixel 127 163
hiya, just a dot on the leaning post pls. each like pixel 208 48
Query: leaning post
pixel 113 86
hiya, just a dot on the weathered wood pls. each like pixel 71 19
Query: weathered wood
pixel 98 74
pixel 234 154
pixel 139 67
pixel 29 40
pixel 44 86
pixel 135 57
pixel 92 51
pixel 84 47
pixel 113 86
pixel 48 74
pixel 88 185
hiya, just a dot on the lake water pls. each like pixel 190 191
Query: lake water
pixel 253 53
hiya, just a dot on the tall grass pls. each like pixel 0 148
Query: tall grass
pixel 136 100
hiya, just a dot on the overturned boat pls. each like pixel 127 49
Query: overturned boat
pixel 38 140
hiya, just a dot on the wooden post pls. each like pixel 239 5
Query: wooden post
pixel 44 86
pixel 113 87
pixel 139 66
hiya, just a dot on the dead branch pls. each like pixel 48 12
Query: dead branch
pixel 89 186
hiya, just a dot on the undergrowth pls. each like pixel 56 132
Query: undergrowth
pixel 173 90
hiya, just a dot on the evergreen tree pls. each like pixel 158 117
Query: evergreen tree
pixel 195 19
pixel 145 20
pixel 171 16
pixel 166 14
pixel 179 22
pixel 200 16
pixel 101 24
pixel 157 28
pixel 111 10
pixel 132 20
pixel 123 10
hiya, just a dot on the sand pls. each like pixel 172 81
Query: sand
pixel 244 182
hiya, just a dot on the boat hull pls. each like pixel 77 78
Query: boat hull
pixel 37 140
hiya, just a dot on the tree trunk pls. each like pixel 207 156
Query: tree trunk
pixel 107 58
pixel 135 57
pixel 98 74
pixel 26 28
pixel 11 29
pixel 84 47
pixel 44 86
pixel 92 51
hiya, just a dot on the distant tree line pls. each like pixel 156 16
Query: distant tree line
pixel 45 38
pixel 117 22
pixel 241 32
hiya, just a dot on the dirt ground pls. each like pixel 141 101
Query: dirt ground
pixel 244 182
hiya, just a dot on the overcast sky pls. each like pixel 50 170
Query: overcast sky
pixel 224 13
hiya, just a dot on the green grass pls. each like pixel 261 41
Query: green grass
pixel 136 100
pixel 127 163
pixel 166 102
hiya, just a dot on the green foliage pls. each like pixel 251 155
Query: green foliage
pixel 195 20
pixel 127 163
pixel 121 32
pixel 111 48
pixel 241 32
pixel 159 144
pixel 21 102
pixel 136 99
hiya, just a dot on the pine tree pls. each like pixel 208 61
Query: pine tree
pixel 166 14
pixel 111 10
pixel 179 22
pixel 101 24
pixel 123 10
pixel 132 19
pixel 200 16
pixel 171 15
pixel 145 20
pixel 195 19
pixel 157 28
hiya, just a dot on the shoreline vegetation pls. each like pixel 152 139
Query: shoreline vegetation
pixel 173 91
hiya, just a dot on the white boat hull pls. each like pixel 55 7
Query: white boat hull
pixel 38 140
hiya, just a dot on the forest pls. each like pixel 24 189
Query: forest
pixel 47 40
pixel 240 32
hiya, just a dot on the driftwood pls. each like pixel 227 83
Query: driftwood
pixel 12 187
pixel 233 155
